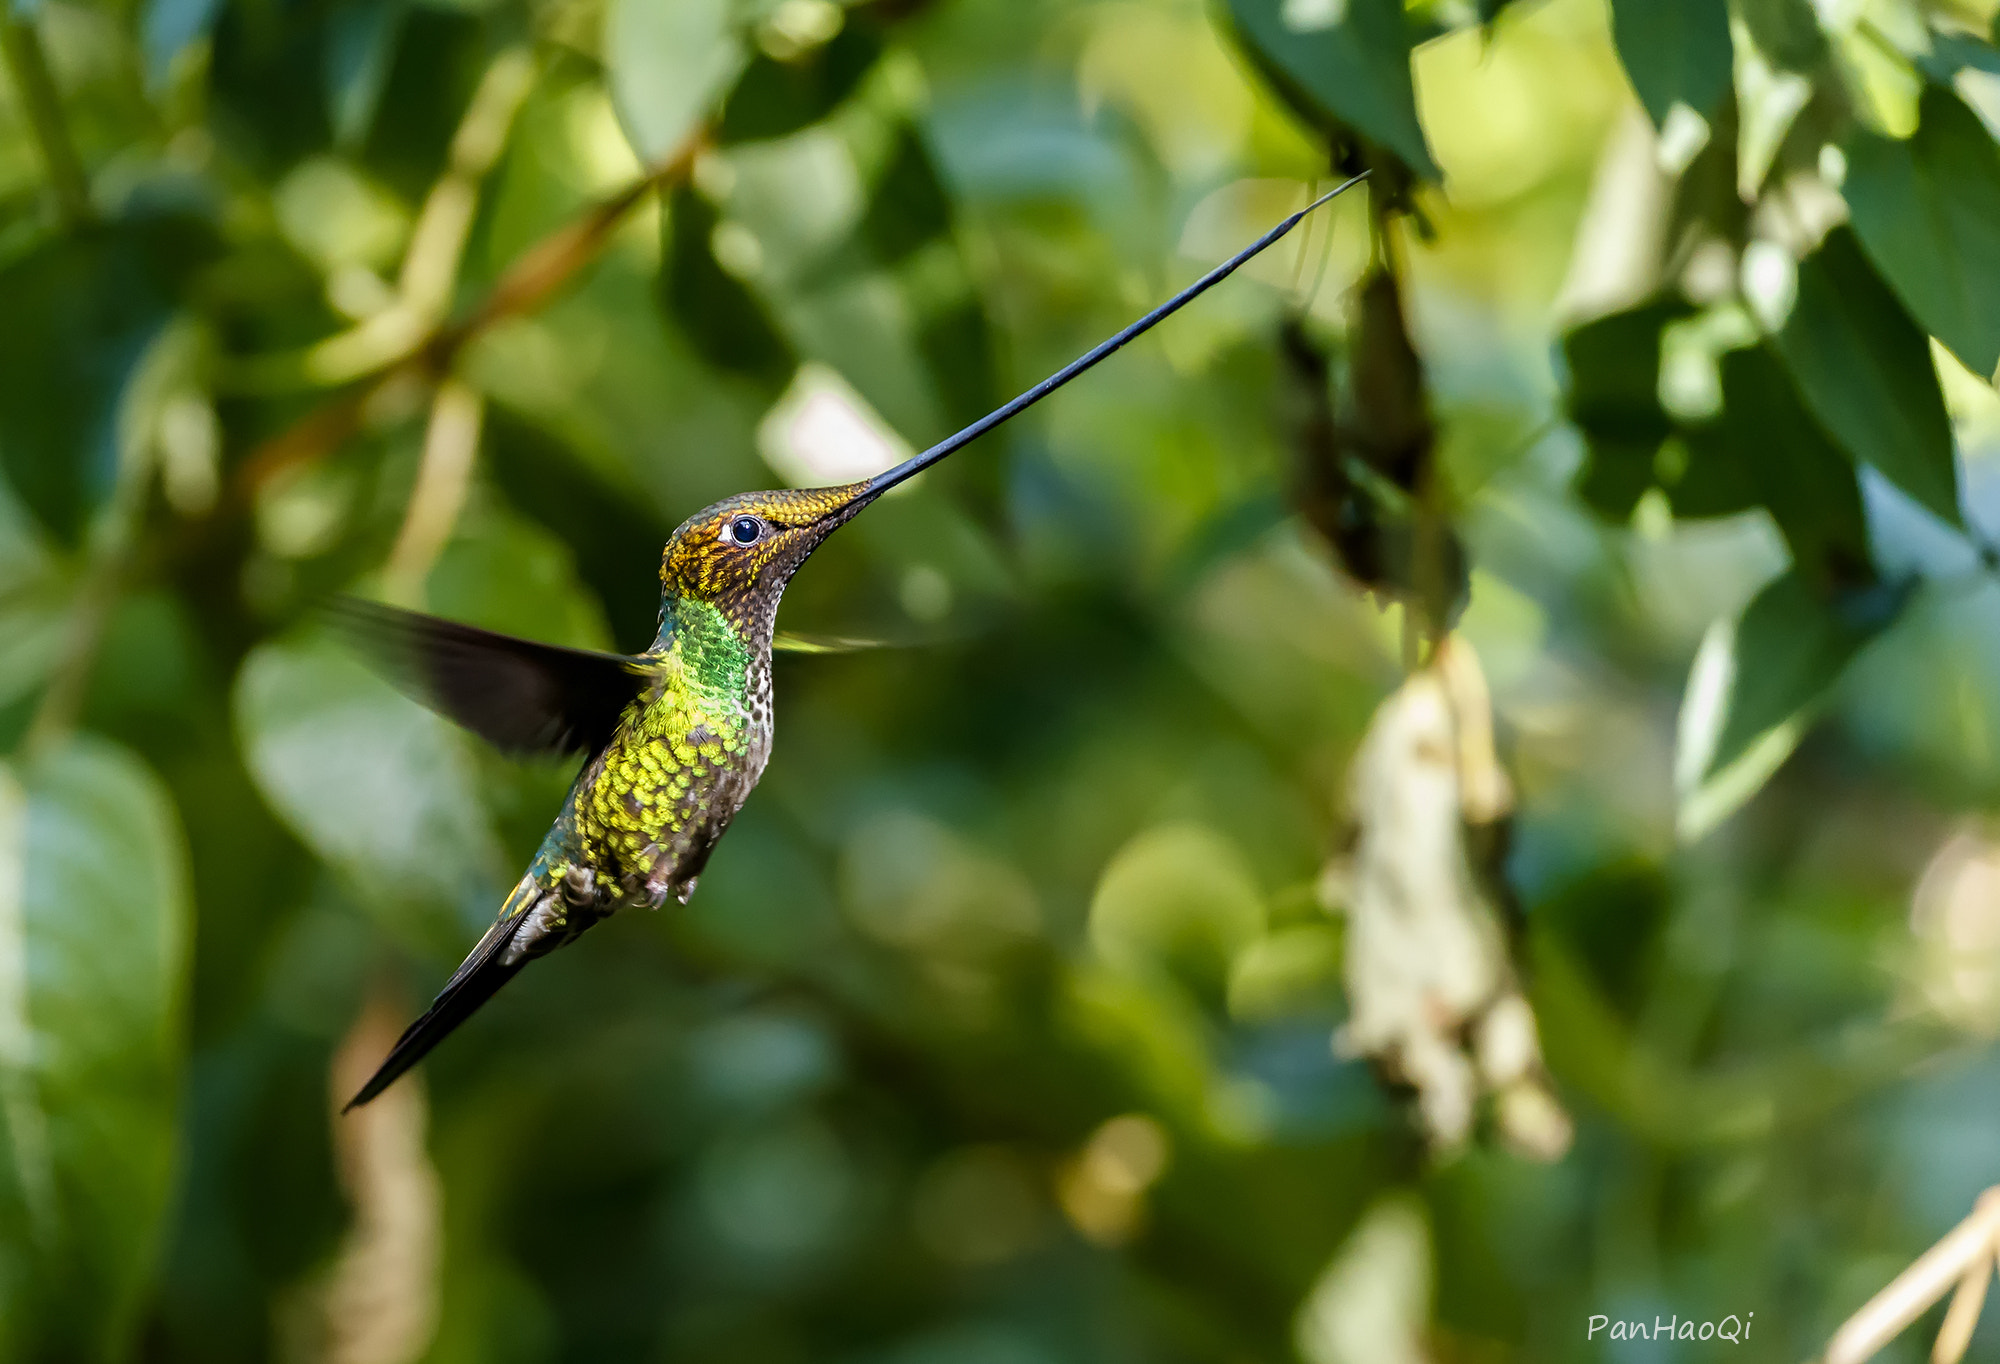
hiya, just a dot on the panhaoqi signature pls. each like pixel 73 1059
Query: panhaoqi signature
pixel 1731 1328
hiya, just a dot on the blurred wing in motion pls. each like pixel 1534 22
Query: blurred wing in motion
pixel 790 641
pixel 520 696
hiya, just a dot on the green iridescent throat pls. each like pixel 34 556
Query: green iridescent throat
pixel 714 658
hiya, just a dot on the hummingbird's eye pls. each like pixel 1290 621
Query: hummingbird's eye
pixel 745 530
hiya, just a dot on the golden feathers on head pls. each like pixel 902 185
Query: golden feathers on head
pixel 752 543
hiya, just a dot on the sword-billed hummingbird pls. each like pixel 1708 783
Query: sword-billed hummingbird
pixel 675 737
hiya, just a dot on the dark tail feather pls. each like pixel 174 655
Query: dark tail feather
pixel 477 978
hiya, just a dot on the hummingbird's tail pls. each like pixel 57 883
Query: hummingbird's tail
pixel 485 969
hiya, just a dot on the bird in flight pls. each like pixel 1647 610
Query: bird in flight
pixel 674 738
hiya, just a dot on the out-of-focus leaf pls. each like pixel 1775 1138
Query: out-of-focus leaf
pixel 379 787
pixel 908 206
pixel 80 313
pixel 93 939
pixel 1765 449
pixel 669 63
pixel 1928 212
pixel 1786 31
pixel 1489 10
pixel 1865 370
pixel 1614 400
pixel 169 26
pixel 360 46
pixel 1756 685
pixel 1177 900
pixel 1342 65
pixel 1676 53
pixel 1372 1304
pixel 1292 972
pixel 1954 52
pixel 722 319
pixel 774 98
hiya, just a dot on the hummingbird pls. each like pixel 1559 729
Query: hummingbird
pixel 674 738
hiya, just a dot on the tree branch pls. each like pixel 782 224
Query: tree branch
pixel 535 275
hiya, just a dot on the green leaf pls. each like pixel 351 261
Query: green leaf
pixel 776 98
pixel 93 951
pixel 1614 400
pixel 1764 449
pixel 1864 368
pixel 670 61
pixel 1675 51
pixel 1341 65
pixel 1953 52
pixel 1757 684
pixel 380 788
pixel 1928 212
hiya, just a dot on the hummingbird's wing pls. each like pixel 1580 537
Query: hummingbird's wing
pixel 792 641
pixel 521 696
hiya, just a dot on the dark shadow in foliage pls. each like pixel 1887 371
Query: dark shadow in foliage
pixel 1788 32
pixel 616 544
pixel 80 312
pixel 440 56
pixel 1611 921
pixel 267 84
pixel 909 207
pixel 260 1203
pixel 724 321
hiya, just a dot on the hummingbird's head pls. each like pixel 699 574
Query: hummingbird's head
pixel 738 554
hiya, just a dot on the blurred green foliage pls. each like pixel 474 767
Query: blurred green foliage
pixel 1658 366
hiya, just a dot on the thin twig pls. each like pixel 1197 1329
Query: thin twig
pixel 1917 1289
pixel 1962 1316
pixel 28 65
pixel 450 443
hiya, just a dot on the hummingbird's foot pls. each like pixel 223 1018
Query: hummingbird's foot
pixel 684 891
pixel 545 927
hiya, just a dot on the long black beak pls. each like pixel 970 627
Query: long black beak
pixel 916 464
